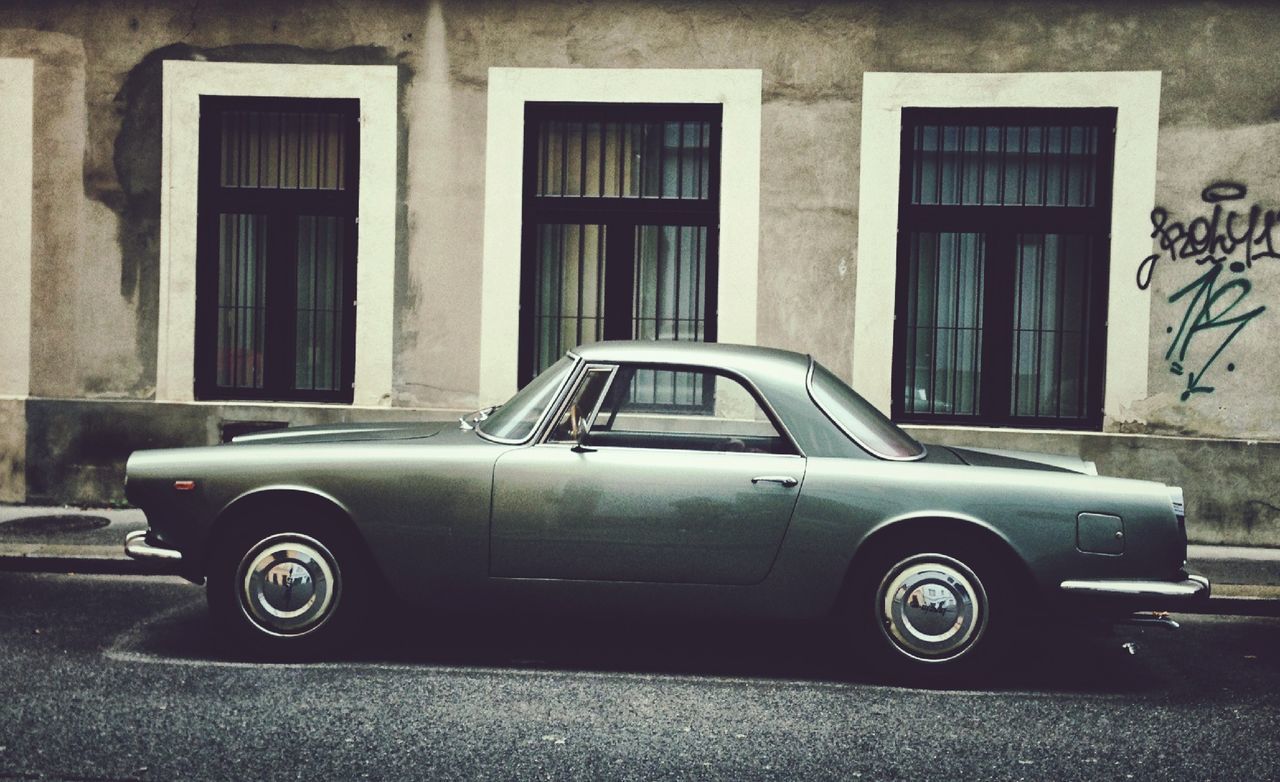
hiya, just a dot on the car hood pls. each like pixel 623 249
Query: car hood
pixel 344 433
pixel 1023 460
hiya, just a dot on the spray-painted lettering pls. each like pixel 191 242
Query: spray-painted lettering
pixel 1209 310
pixel 1215 310
pixel 1222 236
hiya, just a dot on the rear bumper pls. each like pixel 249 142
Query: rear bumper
pixel 1148 594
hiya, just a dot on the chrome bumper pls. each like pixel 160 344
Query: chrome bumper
pixel 1194 587
pixel 136 546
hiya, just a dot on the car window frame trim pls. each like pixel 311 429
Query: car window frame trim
pixel 588 368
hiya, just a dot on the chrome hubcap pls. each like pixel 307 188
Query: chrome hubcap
pixel 932 607
pixel 289 584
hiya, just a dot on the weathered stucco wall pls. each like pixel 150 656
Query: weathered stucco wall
pixel 76 450
pixel 1215 283
pixel 97 179
pixel 13 450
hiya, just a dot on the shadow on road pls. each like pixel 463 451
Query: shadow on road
pixel 1074 660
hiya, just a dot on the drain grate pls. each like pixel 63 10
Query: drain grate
pixel 52 525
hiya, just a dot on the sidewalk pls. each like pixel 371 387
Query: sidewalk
pixel 69 539
pixel 79 540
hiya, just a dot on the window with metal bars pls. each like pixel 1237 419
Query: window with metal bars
pixel 275 298
pixel 621 229
pixel 1004 217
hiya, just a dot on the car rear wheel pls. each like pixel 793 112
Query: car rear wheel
pixel 930 613
pixel 285 590
pixel 932 608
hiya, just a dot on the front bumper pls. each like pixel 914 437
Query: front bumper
pixel 137 547
pixel 1149 594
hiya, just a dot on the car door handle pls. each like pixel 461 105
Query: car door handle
pixel 785 480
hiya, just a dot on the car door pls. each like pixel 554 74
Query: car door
pixel 682 477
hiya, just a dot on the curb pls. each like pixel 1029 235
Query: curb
pixel 1227 605
pixel 85 564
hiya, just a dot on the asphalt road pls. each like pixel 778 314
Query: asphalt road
pixel 107 677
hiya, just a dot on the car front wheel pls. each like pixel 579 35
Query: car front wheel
pixel 284 592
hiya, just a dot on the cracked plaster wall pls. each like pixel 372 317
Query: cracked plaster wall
pixel 96 213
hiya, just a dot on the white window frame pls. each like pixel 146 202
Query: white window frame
pixel 17 100
pixel 375 86
pixel 738 91
pixel 1136 97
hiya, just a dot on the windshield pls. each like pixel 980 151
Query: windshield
pixel 867 426
pixel 515 420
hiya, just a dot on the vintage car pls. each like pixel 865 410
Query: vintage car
pixel 663 478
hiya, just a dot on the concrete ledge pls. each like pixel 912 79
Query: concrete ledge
pixel 76 449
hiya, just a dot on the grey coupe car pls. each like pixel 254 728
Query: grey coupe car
pixel 660 478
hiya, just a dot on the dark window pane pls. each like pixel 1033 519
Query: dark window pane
pixel 599 158
pixel 1004 165
pixel 568 306
pixel 944 323
pixel 1050 318
pixel 275 316
pixel 670 276
pixel 319 302
pixel 242 277
pixel 284 150
pixel 621 230
pixel 1001 303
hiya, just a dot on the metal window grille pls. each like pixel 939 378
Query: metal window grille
pixel 275 299
pixel 621 217
pixel 1002 266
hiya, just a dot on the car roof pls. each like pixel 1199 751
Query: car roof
pixel 757 363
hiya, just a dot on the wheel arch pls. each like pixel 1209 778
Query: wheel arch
pixel 239 514
pixel 899 531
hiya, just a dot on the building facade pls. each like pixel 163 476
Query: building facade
pixel 1025 225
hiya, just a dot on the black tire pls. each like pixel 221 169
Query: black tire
pixel 287 590
pixel 932 611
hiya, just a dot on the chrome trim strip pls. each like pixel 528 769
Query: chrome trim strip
pixel 137 547
pixel 1193 586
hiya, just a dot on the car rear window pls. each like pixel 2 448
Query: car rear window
pixel 862 422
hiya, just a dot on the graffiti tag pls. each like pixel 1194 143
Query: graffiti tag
pixel 1223 239
pixel 1204 315
pixel 1215 237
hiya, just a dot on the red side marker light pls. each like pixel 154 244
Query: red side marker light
pixel 184 485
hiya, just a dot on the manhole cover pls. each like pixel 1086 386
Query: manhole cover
pixel 52 525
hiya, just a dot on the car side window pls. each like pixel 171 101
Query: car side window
pixel 687 409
